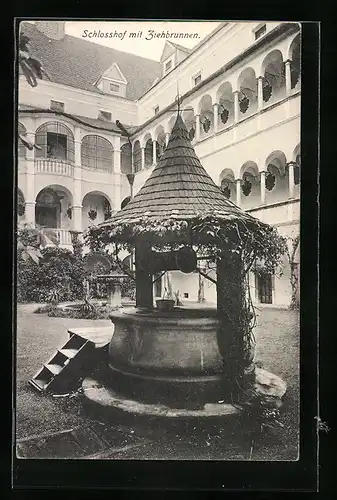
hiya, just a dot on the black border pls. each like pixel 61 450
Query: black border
pixel 211 475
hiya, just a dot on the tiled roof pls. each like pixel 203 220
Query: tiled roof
pixel 91 122
pixel 178 185
pixel 79 63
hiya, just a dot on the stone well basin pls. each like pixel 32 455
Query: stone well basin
pixel 161 356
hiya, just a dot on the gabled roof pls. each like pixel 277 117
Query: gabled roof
pixel 79 63
pixel 180 47
pixel 115 73
pixel 170 48
pixel 179 186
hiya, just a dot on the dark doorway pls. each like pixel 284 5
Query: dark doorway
pixel 265 288
pixel 47 209
pixel 158 285
pixel 46 216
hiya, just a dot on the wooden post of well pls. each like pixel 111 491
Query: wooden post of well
pixel 230 305
pixel 144 282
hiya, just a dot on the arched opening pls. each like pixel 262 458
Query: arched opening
pixel 295 58
pixel 137 157
pixel 171 123
pixel 96 208
pixel 297 170
pixel 96 153
pixel 189 120
pixel 228 184
pixel 53 208
pixel 206 116
pixel 56 141
pixel 273 70
pixel 277 180
pixel 126 158
pixel 125 201
pixel 225 99
pixel 160 141
pixel 250 185
pixel 247 86
pixel 22 149
pixel 20 205
pixel 148 152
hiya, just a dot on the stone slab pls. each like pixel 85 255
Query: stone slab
pixel 102 396
pixel 100 335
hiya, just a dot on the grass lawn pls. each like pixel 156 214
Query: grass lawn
pixel 277 336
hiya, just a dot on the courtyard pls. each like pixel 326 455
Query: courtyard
pixel 38 415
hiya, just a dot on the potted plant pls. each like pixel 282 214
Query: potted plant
pixel 166 303
pixel 92 214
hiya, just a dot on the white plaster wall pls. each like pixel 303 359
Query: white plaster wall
pixel 185 283
pixel 216 52
pixel 256 146
pixel 77 102
pixel 42 180
pixel 140 179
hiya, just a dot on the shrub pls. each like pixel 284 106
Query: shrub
pixel 59 270
pixel 87 310
pixel 128 288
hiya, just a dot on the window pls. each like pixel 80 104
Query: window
pixel 56 146
pixel 156 110
pixel 104 115
pixel 168 66
pixel 260 31
pixel 185 295
pixel 114 87
pixel 197 79
pixel 56 141
pixel 57 106
pixel 97 153
pixel 126 159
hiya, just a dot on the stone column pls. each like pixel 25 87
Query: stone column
pixel 288 76
pixel 143 157
pixel 117 160
pixel 115 294
pixel 77 193
pixel 260 92
pixel 197 128
pixel 236 106
pixel 167 137
pixel 291 165
pixel 30 213
pixel 154 154
pixel 77 218
pixel 238 192
pixel 117 176
pixel 77 140
pixel 30 185
pixel 263 187
pixel 215 117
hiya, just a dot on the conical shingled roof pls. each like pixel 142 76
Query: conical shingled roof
pixel 179 186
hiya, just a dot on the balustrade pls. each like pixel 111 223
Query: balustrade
pixel 54 166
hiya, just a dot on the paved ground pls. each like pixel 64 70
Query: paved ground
pixel 277 336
